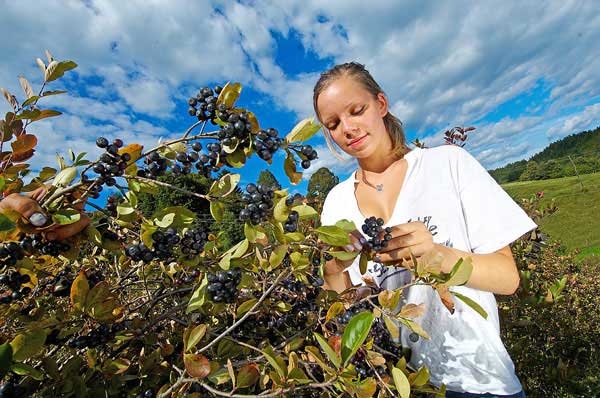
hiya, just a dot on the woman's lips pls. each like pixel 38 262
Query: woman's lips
pixel 357 141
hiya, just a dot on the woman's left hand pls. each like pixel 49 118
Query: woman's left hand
pixel 410 238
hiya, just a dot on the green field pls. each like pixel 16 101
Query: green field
pixel 576 224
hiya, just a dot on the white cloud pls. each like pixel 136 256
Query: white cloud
pixel 586 120
pixel 328 160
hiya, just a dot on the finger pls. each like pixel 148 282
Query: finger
pixel 355 242
pixel 395 256
pixel 401 242
pixel 406 228
pixel 66 231
pixel 27 207
pixel 38 194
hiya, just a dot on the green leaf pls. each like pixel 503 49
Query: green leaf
pixel 217 210
pixel 2 183
pixel 289 166
pixel 346 225
pixel 52 92
pixel 415 327
pixel 28 344
pixel 79 291
pixel 305 211
pixel 166 221
pixel 192 336
pixel 45 113
pixel 277 255
pixel 225 261
pixel 247 376
pixel 401 382
pixel 6 223
pixel 30 101
pixel 66 216
pixel 182 216
pixel 47 173
pixel 471 303
pixel 303 130
pixel 273 360
pixel 245 306
pixel 461 272
pixel 332 235
pixel 229 94
pixel 198 297
pixel 421 377
pixel 334 310
pixel 22 369
pixel 57 69
pixel 343 255
pixel 355 334
pixel 280 210
pixel 392 327
pixel 331 354
pixel 363 262
pixel 64 177
pixel 224 186
pixel 6 354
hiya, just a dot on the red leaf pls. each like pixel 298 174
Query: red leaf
pixel 24 143
pixel 196 365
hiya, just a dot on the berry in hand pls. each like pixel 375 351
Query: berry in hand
pixel 373 227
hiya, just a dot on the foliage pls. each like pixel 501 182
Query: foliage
pixel 267 178
pixel 553 342
pixel 573 155
pixel 319 185
pixel 147 301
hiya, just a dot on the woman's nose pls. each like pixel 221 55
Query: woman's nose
pixel 348 127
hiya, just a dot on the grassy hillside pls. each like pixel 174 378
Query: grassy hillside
pixel 577 222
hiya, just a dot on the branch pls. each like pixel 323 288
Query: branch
pixel 262 298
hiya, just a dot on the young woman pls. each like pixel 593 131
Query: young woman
pixel 439 199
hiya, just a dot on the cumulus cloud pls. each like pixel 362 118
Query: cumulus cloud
pixel 441 64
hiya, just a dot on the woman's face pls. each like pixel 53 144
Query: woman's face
pixel 354 118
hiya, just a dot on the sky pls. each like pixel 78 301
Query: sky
pixel 524 74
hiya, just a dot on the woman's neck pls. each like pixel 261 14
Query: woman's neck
pixel 378 164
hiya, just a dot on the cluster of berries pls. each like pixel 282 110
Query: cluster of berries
pixel 59 284
pixel 204 104
pixel 11 252
pixel 186 160
pixel 11 389
pixel 13 280
pixel 186 279
pixel 222 285
pixel 156 166
pixel 259 203
pixel 193 241
pixel 308 154
pixel 101 335
pixel 359 360
pixel 110 164
pixel 373 228
pixel 266 143
pixel 291 224
pixel 383 339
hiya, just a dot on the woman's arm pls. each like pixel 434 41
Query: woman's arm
pixel 494 272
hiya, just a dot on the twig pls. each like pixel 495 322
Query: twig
pixel 175 188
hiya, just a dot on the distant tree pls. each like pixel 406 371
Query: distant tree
pixel 267 178
pixel 319 185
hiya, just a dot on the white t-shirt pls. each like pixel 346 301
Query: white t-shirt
pixel 464 208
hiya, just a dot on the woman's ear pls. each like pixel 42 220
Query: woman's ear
pixel 382 104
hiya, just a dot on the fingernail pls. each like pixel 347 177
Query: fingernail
pixel 51 236
pixel 38 219
pixel 363 240
pixel 358 246
pixel 349 248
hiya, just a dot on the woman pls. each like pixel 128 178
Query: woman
pixel 439 199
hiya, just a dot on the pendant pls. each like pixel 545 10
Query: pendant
pixel 379 187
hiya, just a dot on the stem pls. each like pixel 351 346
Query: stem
pixel 189 130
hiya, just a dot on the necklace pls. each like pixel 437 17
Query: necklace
pixel 376 187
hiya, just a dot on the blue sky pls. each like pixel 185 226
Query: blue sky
pixel 523 73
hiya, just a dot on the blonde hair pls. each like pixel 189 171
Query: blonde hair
pixel 357 71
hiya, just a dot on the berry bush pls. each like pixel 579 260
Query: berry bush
pixel 158 305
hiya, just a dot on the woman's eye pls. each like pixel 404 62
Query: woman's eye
pixel 358 111
pixel 331 126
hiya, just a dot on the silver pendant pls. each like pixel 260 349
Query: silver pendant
pixel 379 187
